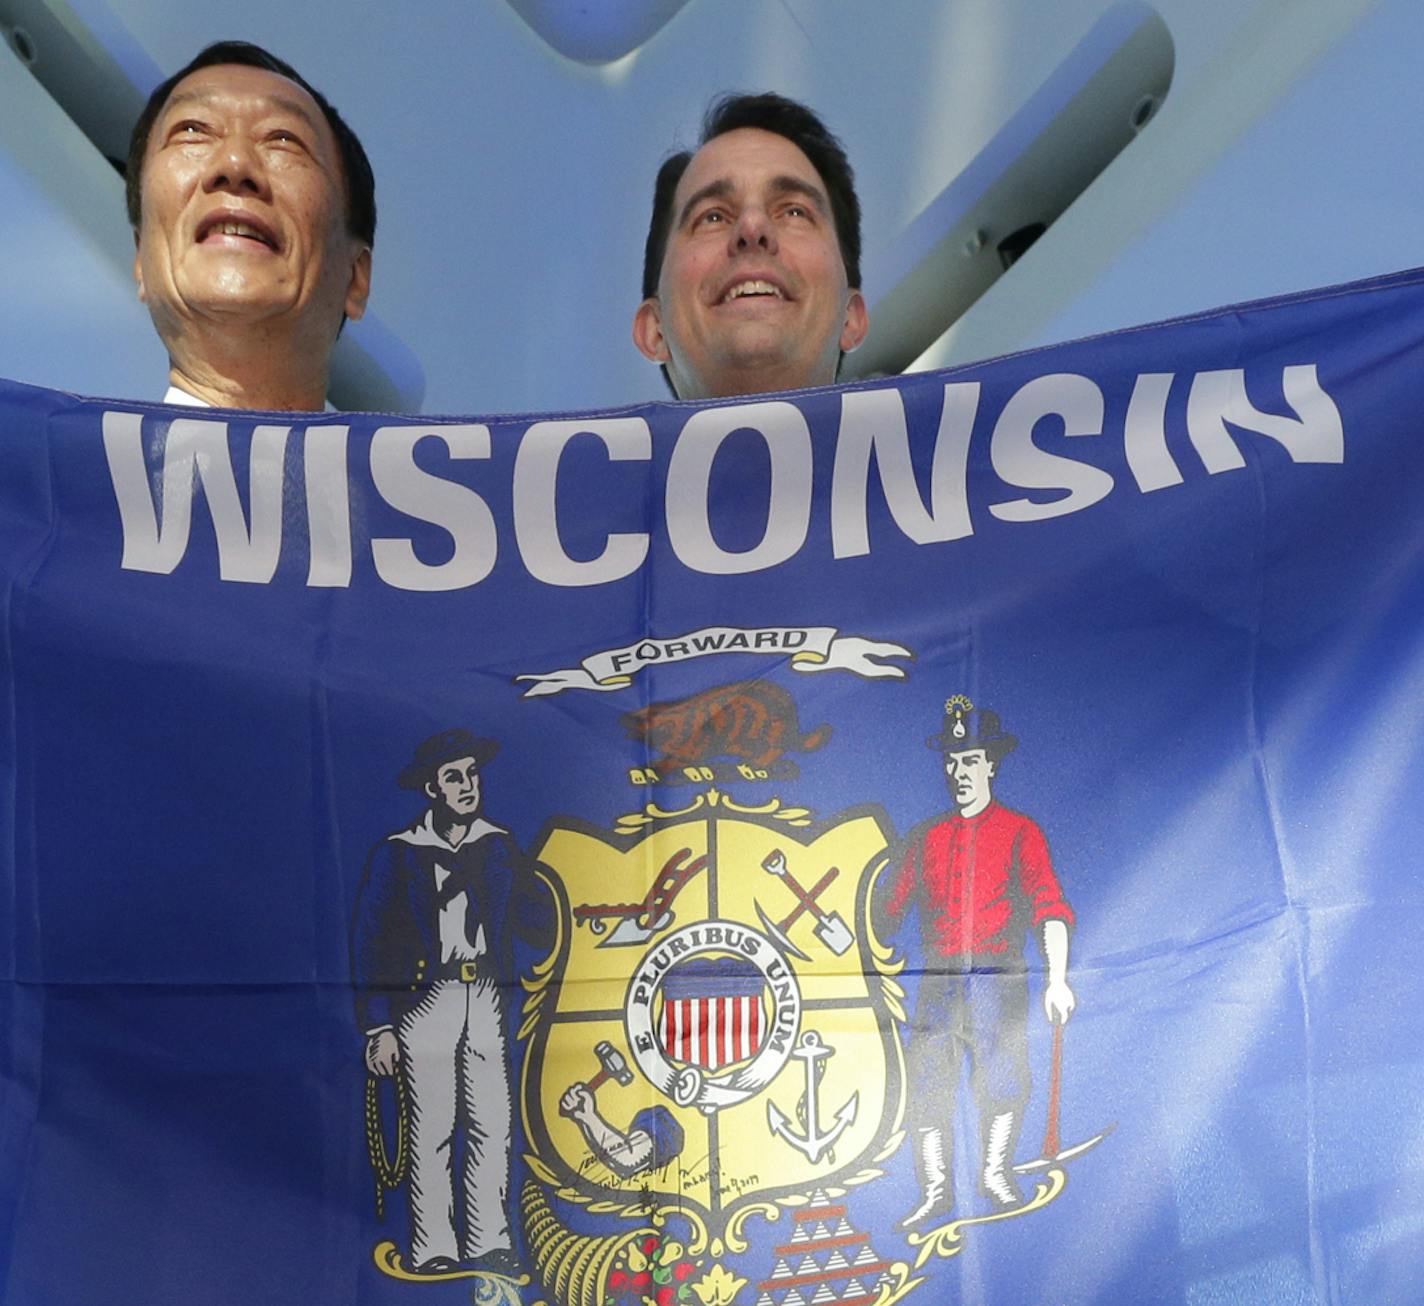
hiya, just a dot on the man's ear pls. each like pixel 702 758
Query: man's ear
pixel 430 790
pixel 359 290
pixel 857 323
pixel 648 331
pixel 138 270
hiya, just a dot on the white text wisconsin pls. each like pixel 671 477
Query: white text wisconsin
pixel 156 494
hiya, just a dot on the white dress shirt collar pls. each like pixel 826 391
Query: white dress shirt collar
pixel 175 395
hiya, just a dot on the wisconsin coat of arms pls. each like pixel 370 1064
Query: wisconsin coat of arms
pixel 715 1036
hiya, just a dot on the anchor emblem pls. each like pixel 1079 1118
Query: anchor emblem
pixel 813 1144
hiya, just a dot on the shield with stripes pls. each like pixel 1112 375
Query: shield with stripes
pixel 716 969
pixel 713 1012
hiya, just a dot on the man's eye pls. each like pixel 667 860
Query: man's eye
pixel 712 216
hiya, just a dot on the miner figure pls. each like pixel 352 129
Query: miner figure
pixel 981 881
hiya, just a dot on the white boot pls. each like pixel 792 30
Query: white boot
pixel 998 1181
pixel 932 1170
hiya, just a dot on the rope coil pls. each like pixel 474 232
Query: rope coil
pixel 390 1172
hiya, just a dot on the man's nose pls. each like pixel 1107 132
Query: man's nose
pixel 754 230
pixel 237 168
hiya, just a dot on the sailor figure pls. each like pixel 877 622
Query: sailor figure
pixel 434 967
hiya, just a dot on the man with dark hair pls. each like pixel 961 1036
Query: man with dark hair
pixel 254 212
pixel 982 880
pixel 751 273
pixel 433 958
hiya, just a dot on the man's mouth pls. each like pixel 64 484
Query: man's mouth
pixel 243 229
pixel 751 289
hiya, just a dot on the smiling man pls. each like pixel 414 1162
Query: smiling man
pixel 254 212
pixel 751 273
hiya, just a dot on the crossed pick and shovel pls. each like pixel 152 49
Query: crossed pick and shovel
pixel 830 927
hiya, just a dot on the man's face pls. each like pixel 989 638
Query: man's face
pixel 244 208
pixel 457 786
pixel 752 295
pixel 969 774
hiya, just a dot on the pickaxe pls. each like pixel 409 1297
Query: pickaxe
pixel 831 928
pixel 611 1065
pixel 1053 1149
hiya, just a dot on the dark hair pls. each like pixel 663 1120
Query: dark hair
pixel 771 113
pixel 355 166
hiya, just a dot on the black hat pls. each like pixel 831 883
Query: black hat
pixel 966 726
pixel 447 746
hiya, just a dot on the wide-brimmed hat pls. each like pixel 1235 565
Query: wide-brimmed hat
pixel 447 746
pixel 967 726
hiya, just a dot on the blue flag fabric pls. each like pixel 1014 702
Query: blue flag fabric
pixel 947 839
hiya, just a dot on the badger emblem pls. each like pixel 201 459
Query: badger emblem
pixel 753 721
